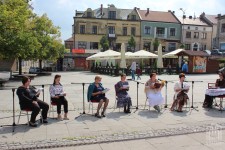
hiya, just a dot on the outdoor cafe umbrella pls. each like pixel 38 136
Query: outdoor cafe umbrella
pixel 173 54
pixel 123 59
pixel 109 54
pixel 141 54
pixel 94 57
pixel 159 60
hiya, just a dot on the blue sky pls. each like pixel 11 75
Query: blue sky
pixel 61 12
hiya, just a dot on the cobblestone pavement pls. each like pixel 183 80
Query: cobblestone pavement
pixel 116 127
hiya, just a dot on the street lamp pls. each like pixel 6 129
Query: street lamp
pixel 182 40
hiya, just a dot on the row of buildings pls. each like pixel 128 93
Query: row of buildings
pixel 118 25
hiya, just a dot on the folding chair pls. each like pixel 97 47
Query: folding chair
pixel 213 86
pixel 91 105
pixel 25 112
pixel 51 109
pixel 116 98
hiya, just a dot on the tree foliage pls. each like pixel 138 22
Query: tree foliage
pixel 104 43
pixel 156 44
pixel 132 43
pixel 25 35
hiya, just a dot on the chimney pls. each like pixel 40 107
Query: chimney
pixel 147 10
pixel 184 16
pixel 135 8
pixel 101 9
pixel 190 17
pixel 219 16
pixel 169 10
pixel 173 12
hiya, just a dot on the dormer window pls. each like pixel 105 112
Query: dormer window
pixel 133 17
pixel 112 15
pixel 89 14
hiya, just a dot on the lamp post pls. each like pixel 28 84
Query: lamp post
pixel 182 39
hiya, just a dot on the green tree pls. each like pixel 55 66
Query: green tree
pixel 132 43
pixel 182 46
pixel 156 44
pixel 17 37
pixel 104 43
pixel 48 37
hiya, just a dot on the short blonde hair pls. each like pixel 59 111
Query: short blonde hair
pixel 98 77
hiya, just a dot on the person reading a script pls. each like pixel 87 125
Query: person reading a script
pixel 123 99
pixel 220 83
pixel 58 96
pixel 28 99
pixel 153 92
pixel 96 92
pixel 181 89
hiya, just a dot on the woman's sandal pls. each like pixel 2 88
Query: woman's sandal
pixel 103 115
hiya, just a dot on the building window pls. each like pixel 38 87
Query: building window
pixel 223 28
pixel 133 17
pixel 82 45
pixel 133 31
pixel 172 32
pixel 94 29
pixel 187 46
pixel 93 45
pixel 112 14
pixel 172 46
pixel 195 47
pixel 196 35
pixel 196 28
pixel 147 46
pixel 204 35
pixel 188 27
pixel 204 29
pixel 124 31
pixel 89 14
pixel 160 32
pixel 188 34
pixel 111 29
pixel 82 29
pixel 147 30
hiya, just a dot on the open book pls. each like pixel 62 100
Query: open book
pixel 39 90
pixel 105 90
pixel 125 86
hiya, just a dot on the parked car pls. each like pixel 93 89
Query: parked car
pixel 34 70
pixel 216 52
pixel 222 52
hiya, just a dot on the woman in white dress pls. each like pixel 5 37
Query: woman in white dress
pixel 180 96
pixel 153 92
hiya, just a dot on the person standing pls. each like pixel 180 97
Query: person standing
pixel 133 69
pixel 28 99
pixel 58 96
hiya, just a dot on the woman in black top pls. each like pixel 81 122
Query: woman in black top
pixel 28 100
pixel 220 83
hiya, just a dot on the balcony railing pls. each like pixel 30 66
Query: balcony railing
pixel 161 35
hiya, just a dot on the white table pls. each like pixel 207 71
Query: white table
pixel 215 92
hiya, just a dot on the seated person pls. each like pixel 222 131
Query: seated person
pixel 28 100
pixel 58 96
pixel 153 92
pixel 95 94
pixel 180 96
pixel 123 99
pixel 220 83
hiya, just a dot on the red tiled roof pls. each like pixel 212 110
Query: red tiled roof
pixel 69 39
pixel 157 16
pixel 193 53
